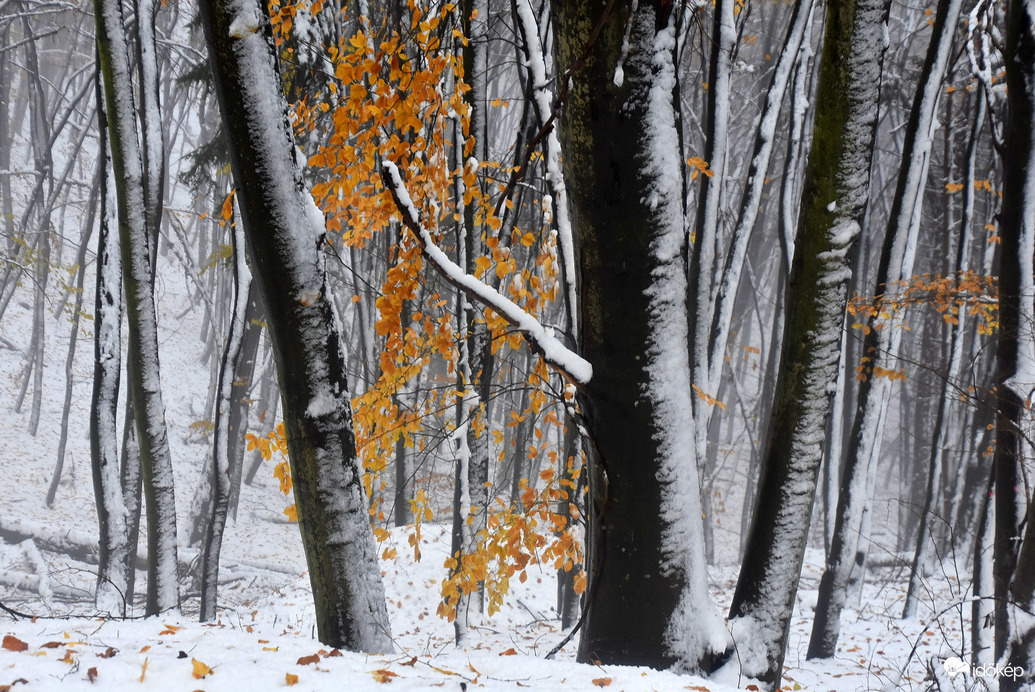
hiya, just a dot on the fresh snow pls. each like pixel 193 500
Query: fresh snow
pixel 264 585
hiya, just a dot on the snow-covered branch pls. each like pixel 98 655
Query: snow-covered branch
pixel 540 338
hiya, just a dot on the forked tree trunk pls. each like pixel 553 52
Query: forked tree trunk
pixel 115 567
pixel 138 281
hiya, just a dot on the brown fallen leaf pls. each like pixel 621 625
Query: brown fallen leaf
pixel 306 660
pixel 509 652
pixel 291 679
pixel 334 653
pixel 5 688
pixel 146 648
pixel 108 653
pixel 200 669
pixel 410 663
pixel 383 675
pixel 92 674
pixel 51 645
pixel 68 658
pixel 602 682
pixel 12 643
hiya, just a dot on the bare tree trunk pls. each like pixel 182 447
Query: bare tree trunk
pixel 1015 359
pixel 881 345
pixel 289 268
pixel 143 369
pixel 833 205
pixel 114 573
pixel 66 408
pixel 223 438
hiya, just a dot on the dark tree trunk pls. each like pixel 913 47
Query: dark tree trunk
pixel 284 239
pixel 1014 572
pixel 832 208
pixel 647 601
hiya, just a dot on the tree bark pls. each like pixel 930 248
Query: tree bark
pixel 223 437
pixel 144 371
pixel 647 596
pixel 284 231
pixel 113 588
pixel 832 207
pixel 1015 357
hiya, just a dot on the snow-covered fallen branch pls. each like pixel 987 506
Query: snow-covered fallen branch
pixel 540 338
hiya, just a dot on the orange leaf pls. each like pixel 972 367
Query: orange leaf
pixel 92 674
pixel 48 645
pixel 143 668
pixel 509 652
pixel 602 682
pixel 14 644
pixel 383 675
pixel 306 660
pixel 200 669
pixel 291 679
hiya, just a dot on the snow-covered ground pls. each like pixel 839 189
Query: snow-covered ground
pixel 265 636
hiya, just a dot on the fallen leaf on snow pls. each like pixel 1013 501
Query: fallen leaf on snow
pixel 602 682
pixel 306 660
pixel 291 679
pixel 200 669
pixel 383 675
pixel 12 643
pixel 68 658
pixel 410 663
pixel 108 653
pixel 51 645
pixel 143 667
pixel 334 653
pixel 509 652
pixel 92 674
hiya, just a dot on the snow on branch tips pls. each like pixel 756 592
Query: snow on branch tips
pixel 540 338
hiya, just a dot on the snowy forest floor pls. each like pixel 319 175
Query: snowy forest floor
pixel 265 634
